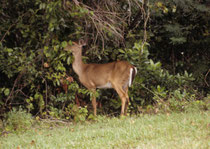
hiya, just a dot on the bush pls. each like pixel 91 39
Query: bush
pixel 178 101
pixel 33 61
pixel 18 120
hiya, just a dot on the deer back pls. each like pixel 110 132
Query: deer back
pixel 103 75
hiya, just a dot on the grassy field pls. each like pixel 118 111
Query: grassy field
pixel 162 131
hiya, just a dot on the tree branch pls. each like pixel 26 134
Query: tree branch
pixel 14 85
pixel 206 77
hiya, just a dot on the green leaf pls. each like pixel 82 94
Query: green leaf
pixel 64 44
pixel 63 54
pixel 37 96
pixel 58 82
pixel 121 51
pixel 179 40
pixel 6 92
pixel 69 60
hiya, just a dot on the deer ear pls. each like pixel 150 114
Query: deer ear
pixel 82 42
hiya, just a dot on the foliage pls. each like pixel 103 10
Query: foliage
pixel 79 113
pixel 18 121
pixel 180 38
pixel 177 102
pixel 166 40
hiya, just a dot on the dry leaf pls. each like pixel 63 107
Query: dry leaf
pixel 32 142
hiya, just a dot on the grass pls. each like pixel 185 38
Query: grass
pixel 176 130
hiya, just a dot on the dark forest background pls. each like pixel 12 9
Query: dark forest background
pixel 168 42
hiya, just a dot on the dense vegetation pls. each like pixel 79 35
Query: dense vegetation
pixel 168 42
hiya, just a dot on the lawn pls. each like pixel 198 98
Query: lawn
pixel 160 131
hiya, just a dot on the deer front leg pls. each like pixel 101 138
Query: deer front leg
pixel 94 102
pixel 94 105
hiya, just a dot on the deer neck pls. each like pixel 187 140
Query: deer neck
pixel 78 65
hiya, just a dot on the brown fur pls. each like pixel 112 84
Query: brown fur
pixel 95 75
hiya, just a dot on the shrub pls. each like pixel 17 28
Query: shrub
pixel 79 114
pixel 18 120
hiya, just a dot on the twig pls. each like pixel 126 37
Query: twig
pixel 106 20
pixel 157 94
pixel 11 27
pixel 146 18
pixel 7 32
pixel 45 91
pixel 15 83
pixel 206 77
pixel 19 90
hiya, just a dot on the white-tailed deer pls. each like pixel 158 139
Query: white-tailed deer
pixel 118 75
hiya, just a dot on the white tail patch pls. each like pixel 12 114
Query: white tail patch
pixel 130 77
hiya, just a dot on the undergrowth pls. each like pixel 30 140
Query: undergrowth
pixel 18 120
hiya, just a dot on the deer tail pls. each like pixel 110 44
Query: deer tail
pixel 133 72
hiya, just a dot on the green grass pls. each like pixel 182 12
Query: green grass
pixel 176 130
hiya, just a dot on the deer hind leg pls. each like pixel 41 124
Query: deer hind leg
pixel 127 100
pixel 122 95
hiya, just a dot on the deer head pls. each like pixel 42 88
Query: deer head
pixel 75 47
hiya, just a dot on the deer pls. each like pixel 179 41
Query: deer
pixel 118 75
